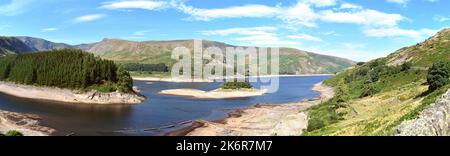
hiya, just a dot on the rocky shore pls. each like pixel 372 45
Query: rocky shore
pixel 27 124
pixel 433 121
pixel 260 120
pixel 69 96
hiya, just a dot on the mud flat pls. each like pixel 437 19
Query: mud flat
pixel 69 96
pixel 215 94
pixel 260 120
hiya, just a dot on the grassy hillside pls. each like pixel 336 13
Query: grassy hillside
pixel 374 97
pixel 66 68
pixel 292 61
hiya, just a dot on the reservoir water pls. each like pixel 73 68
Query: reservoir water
pixel 158 114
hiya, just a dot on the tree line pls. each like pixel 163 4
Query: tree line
pixel 161 67
pixel 65 68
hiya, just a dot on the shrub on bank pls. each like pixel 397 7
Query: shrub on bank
pixel 438 75
pixel 13 133
pixel 236 85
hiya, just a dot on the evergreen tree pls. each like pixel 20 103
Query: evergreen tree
pixel 65 68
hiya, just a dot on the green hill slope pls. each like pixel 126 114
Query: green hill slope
pixel 375 97
pixel 292 61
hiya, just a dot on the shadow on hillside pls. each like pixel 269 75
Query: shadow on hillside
pixel 424 94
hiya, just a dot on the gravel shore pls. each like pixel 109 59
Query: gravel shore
pixel 260 120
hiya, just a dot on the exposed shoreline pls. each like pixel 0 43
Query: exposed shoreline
pixel 27 124
pixel 175 80
pixel 179 80
pixel 67 95
pixel 215 94
pixel 260 120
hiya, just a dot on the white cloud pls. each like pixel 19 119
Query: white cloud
pixel 255 11
pixel 350 6
pixel 267 30
pixel 264 36
pixel 353 51
pixel 295 16
pixel 305 37
pixel 88 18
pixel 304 13
pixel 14 7
pixel 49 29
pixel 134 4
pixel 320 3
pixel 398 32
pixel 366 17
pixel 300 14
pixel 398 1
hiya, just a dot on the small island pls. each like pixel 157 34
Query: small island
pixel 66 75
pixel 227 90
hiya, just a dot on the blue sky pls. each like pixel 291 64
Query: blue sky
pixel 354 29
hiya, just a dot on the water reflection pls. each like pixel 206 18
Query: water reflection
pixel 157 114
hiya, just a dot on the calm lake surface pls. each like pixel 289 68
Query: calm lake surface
pixel 158 114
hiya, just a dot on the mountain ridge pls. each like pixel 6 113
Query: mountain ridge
pixel 292 61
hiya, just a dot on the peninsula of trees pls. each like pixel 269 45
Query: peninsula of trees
pixel 65 68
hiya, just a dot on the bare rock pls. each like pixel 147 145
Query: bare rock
pixel 433 121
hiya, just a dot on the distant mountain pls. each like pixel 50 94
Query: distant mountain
pixel 22 44
pixel 10 45
pixel 292 61
pixel 41 44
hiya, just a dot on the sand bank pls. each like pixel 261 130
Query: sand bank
pixel 215 94
pixel 176 80
pixel 261 120
pixel 66 95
